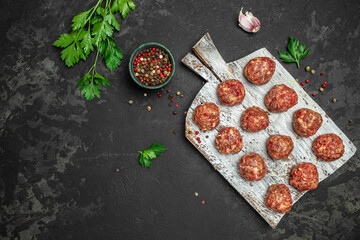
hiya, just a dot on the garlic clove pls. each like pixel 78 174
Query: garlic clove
pixel 248 22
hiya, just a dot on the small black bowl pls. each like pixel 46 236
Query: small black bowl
pixel 136 52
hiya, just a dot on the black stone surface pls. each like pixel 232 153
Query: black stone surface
pixel 58 153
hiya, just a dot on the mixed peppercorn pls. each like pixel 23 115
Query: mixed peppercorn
pixel 152 66
pixel 312 71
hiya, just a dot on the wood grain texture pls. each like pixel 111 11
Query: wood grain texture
pixel 216 69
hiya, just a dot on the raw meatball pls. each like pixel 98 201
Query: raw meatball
pixel 259 70
pixel 254 119
pixel 231 92
pixel 207 116
pixel 229 141
pixel 279 146
pixel 278 198
pixel 328 147
pixel 280 98
pixel 304 177
pixel 306 122
pixel 252 167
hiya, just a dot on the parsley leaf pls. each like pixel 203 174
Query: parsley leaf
pixel 152 152
pixel 101 31
pixel 90 85
pixel 111 53
pixel 157 149
pixel 296 52
pixel 90 91
pixel 304 54
pixel 70 55
pixel 80 20
pixel 65 40
pixel 123 7
pixel 100 80
pixel 87 43
pixel 110 18
pixel 144 162
pixel 286 57
pixel 93 30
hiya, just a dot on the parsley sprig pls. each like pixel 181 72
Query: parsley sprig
pixel 152 152
pixel 93 30
pixel 296 52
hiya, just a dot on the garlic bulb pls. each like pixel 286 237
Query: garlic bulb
pixel 248 22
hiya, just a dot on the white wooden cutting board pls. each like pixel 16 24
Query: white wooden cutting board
pixel 214 69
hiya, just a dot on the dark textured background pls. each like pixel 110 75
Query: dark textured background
pixel 59 153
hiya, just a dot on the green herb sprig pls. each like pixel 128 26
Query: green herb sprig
pixel 296 52
pixel 93 30
pixel 152 152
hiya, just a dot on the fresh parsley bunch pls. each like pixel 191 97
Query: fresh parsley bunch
pixel 152 152
pixel 93 30
pixel 296 52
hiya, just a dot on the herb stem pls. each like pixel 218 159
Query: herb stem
pixel 93 68
pixel 93 10
pixel 97 55
pixel 109 5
